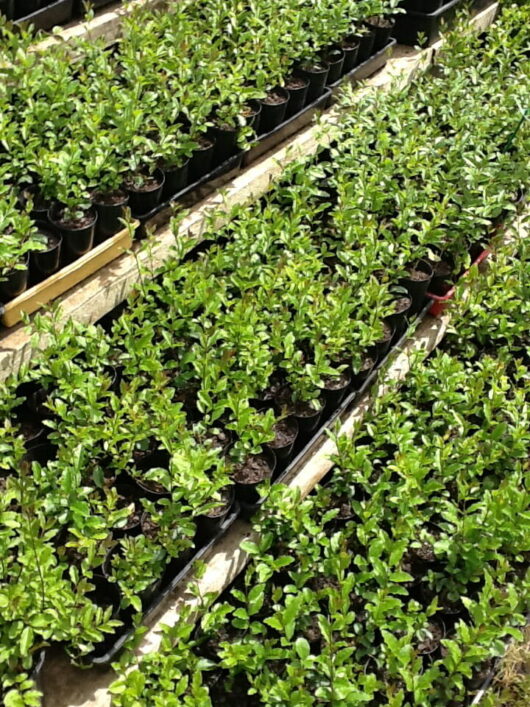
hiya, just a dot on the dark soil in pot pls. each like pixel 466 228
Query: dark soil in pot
pixel 248 474
pixel 202 159
pixel 110 208
pixel 145 191
pixel 15 282
pixel 33 432
pixel 128 496
pixel 317 74
pixel 350 47
pixel 442 276
pixel 297 88
pixel 273 109
pixel 285 434
pixel 44 263
pixel 335 59
pixel 383 27
pixel 176 179
pixel 429 644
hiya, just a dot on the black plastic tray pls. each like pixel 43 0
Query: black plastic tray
pixel 191 194
pixel 304 451
pixel 156 602
pixel 58 13
pixel 366 68
pixel 410 26
pixel 289 127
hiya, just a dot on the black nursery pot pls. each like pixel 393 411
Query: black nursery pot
pixel 335 59
pixel 335 390
pixel 15 282
pixel 366 42
pixel 273 109
pixel 105 594
pixel 382 347
pixel 398 320
pixel 40 209
pixel 317 75
pixel 382 28
pixel 44 263
pixel 286 435
pixel 426 7
pixel 76 241
pixel 209 523
pixel 307 417
pixel 350 47
pixel 176 179
pixel 147 198
pixel 297 87
pixel 252 115
pixel 151 490
pixel 202 159
pixel 41 453
pixel 251 473
pixel 359 378
pixel 417 284
pixel 225 143
pixel 110 208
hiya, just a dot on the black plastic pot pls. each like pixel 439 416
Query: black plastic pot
pixel 202 159
pixel 398 320
pixel 247 492
pixel 105 594
pixel 39 211
pixel 252 115
pixel 76 241
pixel 272 114
pixel 146 595
pixel 359 378
pixel 417 288
pixel 176 179
pixel 41 453
pixel 366 45
pixel 335 60
pixel 283 452
pixel 333 396
pixel 317 75
pixel 382 28
pixel 409 27
pixel 158 459
pixel 15 282
pixel 129 492
pixel 308 421
pixel 44 263
pixel 143 201
pixel 350 47
pixel 110 210
pixel 80 9
pixel 208 524
pixel 297 94
pixel 225 143
pixel 382 347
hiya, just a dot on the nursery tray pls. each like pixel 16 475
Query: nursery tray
pixel 366 68
pixel 44 292
pixel 410 26
pixel 307 450
pixel 154 605
pixel 289 127
pixel 193 193
pixel 58 13
pixel 440 302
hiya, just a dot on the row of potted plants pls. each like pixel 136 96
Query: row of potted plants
pixel 119 441
pixel 397 581
pixel 177 96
